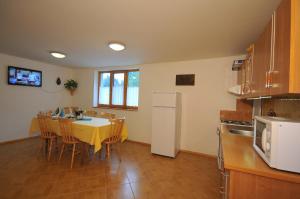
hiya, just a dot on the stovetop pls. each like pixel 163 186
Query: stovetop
pixel 240 123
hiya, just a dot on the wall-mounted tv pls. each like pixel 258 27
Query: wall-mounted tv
pixel 24 76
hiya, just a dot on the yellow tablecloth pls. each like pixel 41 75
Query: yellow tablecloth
pixel 93 135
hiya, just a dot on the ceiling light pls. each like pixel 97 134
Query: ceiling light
pixel 116 46
pixel 58 55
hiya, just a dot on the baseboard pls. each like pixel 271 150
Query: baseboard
pixel 181 151
pixel 137 142
pixel 18 140
pixel 198 154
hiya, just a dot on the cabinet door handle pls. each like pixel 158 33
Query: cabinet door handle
pixel 218 131
pixel 224 174
pixel 267 79
pixel 274 41
pixel 273 84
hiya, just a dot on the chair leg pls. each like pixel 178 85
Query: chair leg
pixel 50 148
pixel 108 150
pixel 73 153
pixel 62 150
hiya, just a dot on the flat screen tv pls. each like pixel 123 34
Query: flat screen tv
pixel 24 76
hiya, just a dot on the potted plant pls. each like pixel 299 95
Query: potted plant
pixel 71 85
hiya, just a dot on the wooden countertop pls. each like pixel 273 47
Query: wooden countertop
pixel 239 155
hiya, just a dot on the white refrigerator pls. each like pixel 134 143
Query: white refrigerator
pixel 166 120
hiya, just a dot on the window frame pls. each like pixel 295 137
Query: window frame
pixel 110 105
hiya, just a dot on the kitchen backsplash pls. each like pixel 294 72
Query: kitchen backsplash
pixel 289 108
pixel 243 112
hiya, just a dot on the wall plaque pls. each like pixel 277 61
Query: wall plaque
pixel 185 80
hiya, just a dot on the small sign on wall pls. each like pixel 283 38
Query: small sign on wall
pixel 185 80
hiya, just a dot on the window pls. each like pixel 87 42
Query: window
pixel 119 89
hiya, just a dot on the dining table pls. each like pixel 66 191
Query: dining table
pixel 90 130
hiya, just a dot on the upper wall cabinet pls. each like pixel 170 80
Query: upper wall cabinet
pixel 276 60
pixel 261 63
pixel 282 62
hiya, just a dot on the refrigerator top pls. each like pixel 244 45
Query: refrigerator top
pixel 164 99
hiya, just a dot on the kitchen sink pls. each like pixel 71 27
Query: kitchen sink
pixel 241 130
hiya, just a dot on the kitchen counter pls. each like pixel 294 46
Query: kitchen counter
pixel 239 155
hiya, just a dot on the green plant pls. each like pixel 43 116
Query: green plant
pixel 71 84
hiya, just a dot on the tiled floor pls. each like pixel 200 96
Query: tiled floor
pixel 25 173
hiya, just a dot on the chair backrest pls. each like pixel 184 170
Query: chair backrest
pixel 45 128
pixel 90 113
pixel 106 115
pixel 67 110
pixel 74 108
pixel 65 126
pixel 116 130
pixel 49 113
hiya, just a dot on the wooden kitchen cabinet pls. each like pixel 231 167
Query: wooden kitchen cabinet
pixel 261 63
pixel 285 71
pixel 276 61
pixel 245 175
pixel 279 71
pixel 248 186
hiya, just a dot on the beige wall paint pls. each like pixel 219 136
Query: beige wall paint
pixel 200 103
pixel 18 104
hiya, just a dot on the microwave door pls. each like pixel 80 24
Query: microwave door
pixel 260 138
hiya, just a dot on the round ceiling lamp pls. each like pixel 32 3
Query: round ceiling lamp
pixel 116 46
pixel 58 55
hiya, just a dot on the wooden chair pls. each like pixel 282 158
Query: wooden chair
pixel 74 108
pixel 68 110
pixel 90 113
pixel 67 137
pixel 106 115
pixel 47 134
pixel 49 113
pixel 115 135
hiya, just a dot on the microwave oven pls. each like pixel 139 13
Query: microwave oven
pixel 277 141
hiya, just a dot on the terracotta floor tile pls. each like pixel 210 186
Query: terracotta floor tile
pixel 146 190
pixel 117 178
pixel 122 191
pixel 100 193
pixel 26 173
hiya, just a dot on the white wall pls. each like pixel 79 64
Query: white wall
pixel 18 104
pixel 200 104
